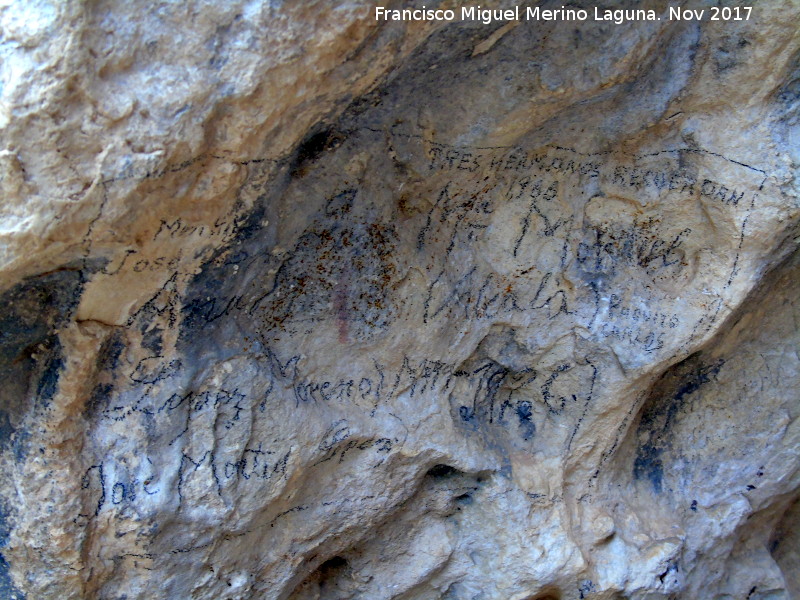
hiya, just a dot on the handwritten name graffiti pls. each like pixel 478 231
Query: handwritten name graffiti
pixel 223 228
pixel 505 214
pixel 256 465
pixel 639 244
pixel 343 268
pixel 508 159
pixel 284 380
pixel 492 393
pixel 339 441
pixel 461 213
pixel 681 183
pixel 502 235
pixel 542 197
pixel 476 296
pixel 482 391
pixel 638 325
pixel 662 172
pixel 496 232
pixel 463 208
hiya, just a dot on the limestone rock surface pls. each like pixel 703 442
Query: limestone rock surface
pixel 299 305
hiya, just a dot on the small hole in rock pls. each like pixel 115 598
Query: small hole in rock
pixel 332 564
pixel 329 570
pixel 439 471
pixel 548 595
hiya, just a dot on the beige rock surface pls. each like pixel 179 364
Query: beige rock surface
pixel 302 305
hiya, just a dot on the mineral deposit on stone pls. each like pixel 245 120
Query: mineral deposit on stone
pixel 299 304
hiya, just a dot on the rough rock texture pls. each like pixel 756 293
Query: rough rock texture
pixel 301 305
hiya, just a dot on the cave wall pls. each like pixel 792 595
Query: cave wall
pixel 305 305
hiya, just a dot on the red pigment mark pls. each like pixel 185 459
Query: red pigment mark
pixel 340 306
